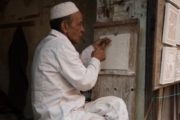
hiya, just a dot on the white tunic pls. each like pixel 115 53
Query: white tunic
pixel 58 76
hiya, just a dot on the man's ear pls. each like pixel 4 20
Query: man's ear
pixel 64 27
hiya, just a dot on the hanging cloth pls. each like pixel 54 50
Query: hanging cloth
pixel 18 59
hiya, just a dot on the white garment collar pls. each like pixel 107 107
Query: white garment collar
pixel 59 35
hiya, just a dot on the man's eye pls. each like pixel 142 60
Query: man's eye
pixel 81 23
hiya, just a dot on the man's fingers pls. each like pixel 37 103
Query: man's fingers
pixel 103 46
pixel 101 43
pixel 105 42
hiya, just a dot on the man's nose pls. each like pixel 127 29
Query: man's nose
pixel 82 29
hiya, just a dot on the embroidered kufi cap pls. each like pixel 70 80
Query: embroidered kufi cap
pixel 62 10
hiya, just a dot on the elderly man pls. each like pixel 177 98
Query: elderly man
pixel 59 73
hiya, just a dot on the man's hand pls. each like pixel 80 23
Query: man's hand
pixel 99 54
pixel 101 44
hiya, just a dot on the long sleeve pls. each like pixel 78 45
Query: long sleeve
pixel 86 55
pixel 72 68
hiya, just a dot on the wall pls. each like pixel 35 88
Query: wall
pixel 140 12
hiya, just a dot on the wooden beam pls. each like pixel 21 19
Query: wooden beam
pixel 10 25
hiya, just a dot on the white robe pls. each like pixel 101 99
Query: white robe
pixel 58 76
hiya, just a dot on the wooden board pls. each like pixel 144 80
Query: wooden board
pixel 161 108
pixel 168 104
pixel 168 65
pixel 16 24
pixel 120 83
pixel 158 45
pixel 178 66
pixel 120 86
pixel 119 47
pixel 122 27
pixel 176 3
pixel 171 24
pixel 178 39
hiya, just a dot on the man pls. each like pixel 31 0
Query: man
pixel 59 73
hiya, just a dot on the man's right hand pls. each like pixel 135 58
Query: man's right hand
pixel 99 54
pixel 99 47
pixel 101 43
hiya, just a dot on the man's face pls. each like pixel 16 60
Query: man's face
pixel 75 30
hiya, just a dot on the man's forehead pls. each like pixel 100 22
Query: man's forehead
pixel 77 15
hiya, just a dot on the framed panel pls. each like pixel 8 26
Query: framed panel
pixel 175 3
pixel 122 52
pixel 168 65
pixel 120 42
pixel 178 39
pixel 171 23
pixel 158 45
pixel 178 66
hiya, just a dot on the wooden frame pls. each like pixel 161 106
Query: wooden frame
pixel 178 66
pixel 175 3
pixel 114 28
pixel 171 24
pixel 119 47
pixel 163 108
pixel 178 39
pixel 168 65
pixel 158 45
pixel 10 25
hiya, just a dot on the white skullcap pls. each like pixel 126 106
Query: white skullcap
pixel 62 10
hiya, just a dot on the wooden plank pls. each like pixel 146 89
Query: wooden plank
pixel 178 102
pixel 168 104
pixel 175 104
pixel 10 25
pixel 120 86
pixel 157 42
pixel 107 24
pixel 157 106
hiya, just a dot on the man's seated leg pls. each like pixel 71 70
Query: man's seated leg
pixel 111 107
pixel 83 115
